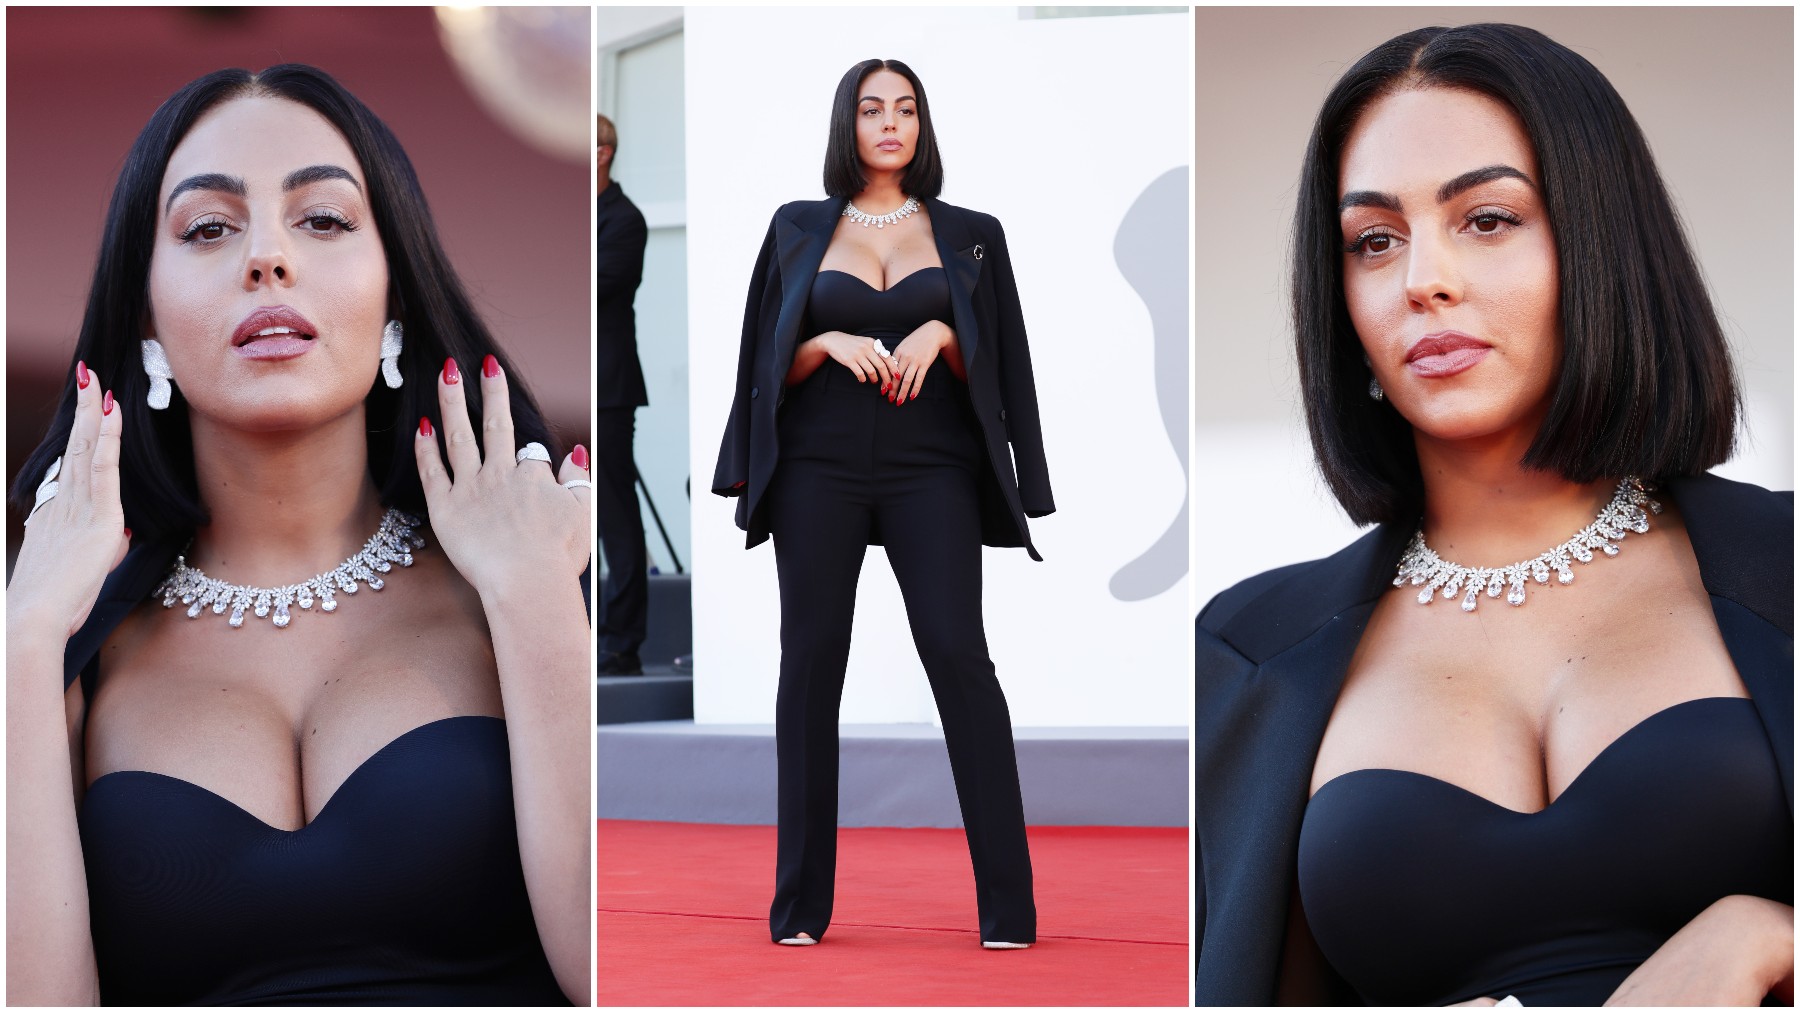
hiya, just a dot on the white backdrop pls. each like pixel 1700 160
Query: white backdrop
pixel 1055 127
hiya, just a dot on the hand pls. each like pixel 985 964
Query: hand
pixel 76 538
pixel 862 356
pixel 502 522
pixel 915 355
pixel 1732 954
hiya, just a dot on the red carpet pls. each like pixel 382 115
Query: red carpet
pixel 683 920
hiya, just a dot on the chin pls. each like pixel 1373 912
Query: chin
pixel 1453 416
pixel 279 408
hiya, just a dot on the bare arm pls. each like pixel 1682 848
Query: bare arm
pixel 69 547
pixel 521 540
pixel 859 355
pixel 1735 953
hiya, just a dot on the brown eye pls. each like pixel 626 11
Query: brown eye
pixel 1378 244
pixel 1487 223
pixel 212 230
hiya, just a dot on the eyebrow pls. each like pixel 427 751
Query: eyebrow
pixel 234 185
pixel 1467 181
pixel 877 98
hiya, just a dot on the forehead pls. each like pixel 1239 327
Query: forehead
pixel 884 84
pixel 1420 138
pixel 258 138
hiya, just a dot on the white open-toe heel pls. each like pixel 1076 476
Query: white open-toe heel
pixel 800 940
pixel 988 944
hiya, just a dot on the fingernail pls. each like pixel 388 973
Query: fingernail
pixel 490 367
pixel 106 404
pixel 424 426
pixel 128 534
pixel 579 456
pixel 81 374
pixel 450 373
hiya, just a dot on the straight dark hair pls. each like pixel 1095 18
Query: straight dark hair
pixel 924 176
pixel 1645 385
pixel 156 464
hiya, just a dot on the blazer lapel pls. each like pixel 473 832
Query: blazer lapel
pixel 962 259
pixel 800 243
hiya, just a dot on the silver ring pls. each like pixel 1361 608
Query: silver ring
pixel 47 489
pixel 578 483
pixel 533 451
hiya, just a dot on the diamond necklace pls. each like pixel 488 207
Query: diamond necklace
pixel 1626 512
pixel 393 543
pixel 863 218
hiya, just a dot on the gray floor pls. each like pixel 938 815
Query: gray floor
pixel 890 775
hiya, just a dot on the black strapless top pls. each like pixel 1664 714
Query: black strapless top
pixel 405 889
pixel 1423 894
pixel 844 302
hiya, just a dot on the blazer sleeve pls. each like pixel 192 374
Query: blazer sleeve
pixel 619 254
pixel 1018 390
pixel 733 470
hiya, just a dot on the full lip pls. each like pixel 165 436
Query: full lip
pixel 1445 353
pixel 890 144
pixel 273 333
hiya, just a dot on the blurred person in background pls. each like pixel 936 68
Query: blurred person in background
pixel 619 241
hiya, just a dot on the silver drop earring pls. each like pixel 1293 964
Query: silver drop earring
pixel 156 367
pixel 390 354
pixel 1375 391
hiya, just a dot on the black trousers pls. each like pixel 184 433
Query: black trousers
pixel 625 593
pixel 852 465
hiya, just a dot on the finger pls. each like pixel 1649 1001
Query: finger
pixel 459 437
pixel 907 387
pixel 575 468
pixel 104 483
pixel 857 367
pixel 918 382
pixel 77 464
pixel 893 391
pixel 124 547
pixel 432 475
pixel 496 412
pixel 881 366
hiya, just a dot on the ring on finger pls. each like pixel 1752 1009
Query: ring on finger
pixel 47 489
pixel 533 451
pixel 578 483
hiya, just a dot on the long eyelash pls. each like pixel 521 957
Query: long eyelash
pixel 343 223
pixel 194 229
pixel 1356 245
pixel 1495 213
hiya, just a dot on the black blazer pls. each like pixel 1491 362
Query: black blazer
pixel 619 238
pixel 1269 659
pixel 990 329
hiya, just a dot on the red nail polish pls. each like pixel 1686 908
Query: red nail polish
pixel 490 367
pixel 81 374
pixel 579 456
pixel 106 404
pixel 424 426
pixel 128 534
pixel 451 375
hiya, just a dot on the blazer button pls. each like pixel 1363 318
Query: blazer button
pixel 1003 415
pixel 753 393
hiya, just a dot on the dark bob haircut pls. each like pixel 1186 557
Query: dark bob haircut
pixel 1645 385
pixel 924 176
pixel 156 481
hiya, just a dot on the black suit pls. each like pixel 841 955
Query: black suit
pixel 932 481
pixel 1270 656
pixel 619 256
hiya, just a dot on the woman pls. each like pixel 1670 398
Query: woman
pixel 1409 789
pixel 882 374
pixel 383 805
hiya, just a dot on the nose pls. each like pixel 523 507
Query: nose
pixel 266 261
pixel 890 121
pixel 1433 280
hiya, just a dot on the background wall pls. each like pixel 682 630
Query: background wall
pixel 1712 89
pixel 82 83
pixel 1056 127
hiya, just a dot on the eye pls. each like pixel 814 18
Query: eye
pixel 1491 221
pixel 1371 242
pixel 325 223
pixel 207 230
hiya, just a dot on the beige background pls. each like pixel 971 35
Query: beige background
pixel 1713 91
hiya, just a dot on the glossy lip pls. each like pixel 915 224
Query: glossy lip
pixel 246 342
pixel 890 145
pixel 1445 353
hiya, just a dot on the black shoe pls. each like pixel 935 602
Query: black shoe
pixel 615 663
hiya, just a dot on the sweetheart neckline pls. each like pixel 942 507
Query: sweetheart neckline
pixel 1570 787
pixel 881 291
pixel 345 783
